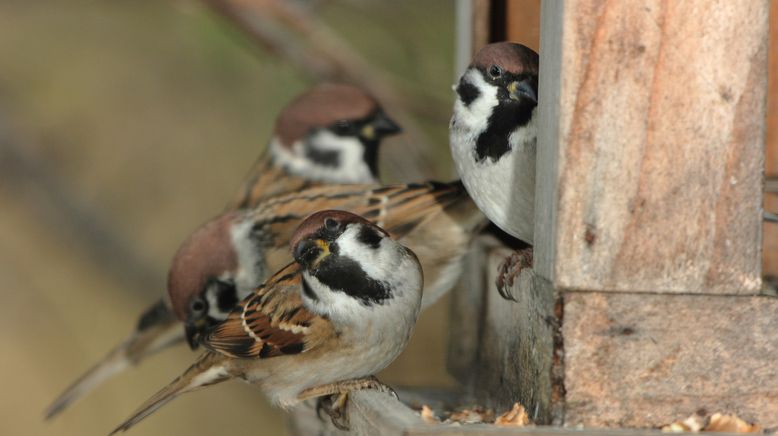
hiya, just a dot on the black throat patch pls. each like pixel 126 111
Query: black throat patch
pixel 343 274
pixel 494 142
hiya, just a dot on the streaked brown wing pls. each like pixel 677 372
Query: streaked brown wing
pixel 397 208
pixel 270 322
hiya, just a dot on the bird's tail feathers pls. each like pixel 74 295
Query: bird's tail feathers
pixel 156 330
pixel 208 370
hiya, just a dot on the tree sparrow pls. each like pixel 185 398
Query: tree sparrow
pixel 329 134
pixel 322 325
pixel 222 262
pixel 493 135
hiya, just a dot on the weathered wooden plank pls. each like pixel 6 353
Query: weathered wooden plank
pixel 373 413
pixel 516 346
pixel 651 166
pixel 523 22
pixel 369 413
pixel 637 360
pixel 466 315
pixel 770 248
pixel 502 350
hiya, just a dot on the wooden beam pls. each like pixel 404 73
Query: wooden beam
pixel 374 413
pixel 636 360
pixel 770 250
pixel 651 145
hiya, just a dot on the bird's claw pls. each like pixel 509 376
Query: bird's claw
pixel 336 409
pixel 510 269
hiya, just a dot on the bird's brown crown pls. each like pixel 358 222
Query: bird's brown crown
pixel 322 106
pixel 511 57
pixel 317 221
pixel 206 254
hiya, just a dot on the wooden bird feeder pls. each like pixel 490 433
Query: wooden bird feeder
pixel 645 304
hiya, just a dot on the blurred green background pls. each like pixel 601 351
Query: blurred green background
pixel 124 125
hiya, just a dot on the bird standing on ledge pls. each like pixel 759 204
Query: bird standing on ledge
pixel 320 326
pixel 493 137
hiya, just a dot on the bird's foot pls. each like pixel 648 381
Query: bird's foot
pixel 333 397
pixel 510 269
pixel 335 407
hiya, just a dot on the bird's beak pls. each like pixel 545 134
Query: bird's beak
pixel 522 89
pixel 192 329
pixel 310 252
pixel 379 127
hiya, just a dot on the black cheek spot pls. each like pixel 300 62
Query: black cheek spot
pixel 334 248
pixel 327 158
pixel 369 237
pixel 226 297
pixel 467 92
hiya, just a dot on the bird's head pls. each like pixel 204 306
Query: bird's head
pixel 350 264
pixel 331 134
pixel 498 93
pixel 211 272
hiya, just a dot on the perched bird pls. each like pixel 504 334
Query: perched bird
pixel 322 325
pixel 214 268
pixel 329 134
pixel 493 138
pixel 493 135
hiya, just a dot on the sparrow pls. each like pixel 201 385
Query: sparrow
pixel 222 262
pixel 329 134
pixel 322 325
pixel 493 135
pixel 493 138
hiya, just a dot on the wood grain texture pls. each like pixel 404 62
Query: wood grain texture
pixel 658 145
pixel 770 243
pixel 466 315
pixel 510 358
pixel 637 360
pixel 516 344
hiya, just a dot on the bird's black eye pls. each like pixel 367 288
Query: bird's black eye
pixel 331 225
pixel 198 306
pixel 495 72
pixel 343 127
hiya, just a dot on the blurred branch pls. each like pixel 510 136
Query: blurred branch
pixel 61 211
pixel 278 27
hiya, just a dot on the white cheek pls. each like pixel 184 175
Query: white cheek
pixel 473 118
pixel 351 165
pixel 251 271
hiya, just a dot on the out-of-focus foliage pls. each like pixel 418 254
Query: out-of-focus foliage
pixel 147 115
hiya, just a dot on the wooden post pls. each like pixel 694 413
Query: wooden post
pixel 650 171
pixel 659 146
